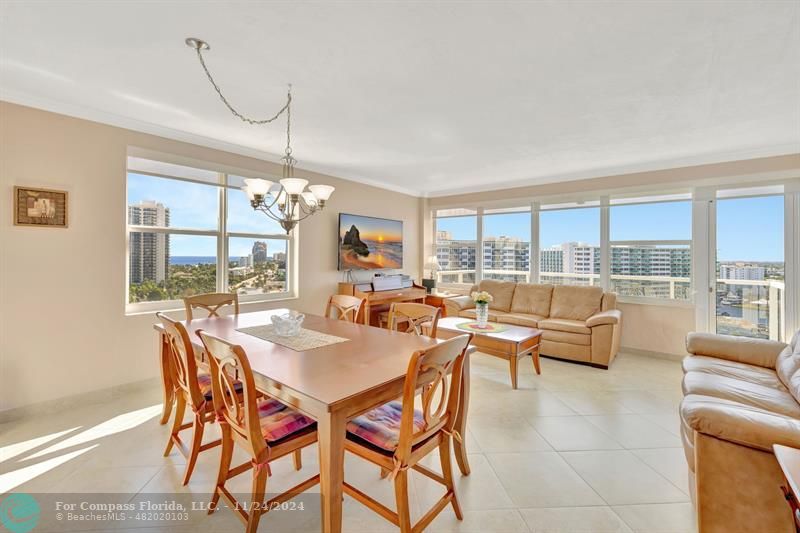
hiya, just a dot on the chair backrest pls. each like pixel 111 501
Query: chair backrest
pixel 182 359
pixel 211 302
pixel 347 307
pixel 436 371
pixel 411 317
pixel 229 363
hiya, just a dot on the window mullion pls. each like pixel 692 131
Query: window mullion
pixel 222 236
pixel 479 246
pixel 533 263
pixel 605 252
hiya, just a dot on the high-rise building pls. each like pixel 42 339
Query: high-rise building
pixel 149 252
pixel 280 258
pixel 742 271
pixel 506 254
pixel 259 252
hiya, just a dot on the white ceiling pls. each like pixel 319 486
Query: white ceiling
pixel 433 97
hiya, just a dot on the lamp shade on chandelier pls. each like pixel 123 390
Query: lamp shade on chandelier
pixel 287 201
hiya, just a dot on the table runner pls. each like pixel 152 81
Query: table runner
pixel 306 339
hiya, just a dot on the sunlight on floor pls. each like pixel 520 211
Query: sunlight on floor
pixel 16 478
pixel 18 448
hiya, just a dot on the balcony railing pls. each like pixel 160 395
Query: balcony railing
pixel 751 308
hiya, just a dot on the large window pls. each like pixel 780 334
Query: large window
pixel 569 244
pixel 507 244
pixel 456 246
pixel 192 231
pixel 750 288
pixel 651 247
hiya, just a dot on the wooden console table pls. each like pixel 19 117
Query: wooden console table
pixel 377 301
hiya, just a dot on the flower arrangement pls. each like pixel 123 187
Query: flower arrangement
pixel 481 297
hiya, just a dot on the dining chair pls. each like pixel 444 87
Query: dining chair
pixel 416 318
pixel 192 388
pixel 211 302
pixel 264 427
pixel 347 307
pixel 396 436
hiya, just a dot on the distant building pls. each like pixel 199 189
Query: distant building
pixel 149 252
pixel 279 257
pixel 506 254
pixel 742 271
pixel 246 261
pixel 259 252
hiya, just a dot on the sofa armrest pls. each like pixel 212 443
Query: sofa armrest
pixel 739 423
pixel 758 352
pixel 612 316
pixel 457 304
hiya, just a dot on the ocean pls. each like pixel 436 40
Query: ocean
pixel 195 259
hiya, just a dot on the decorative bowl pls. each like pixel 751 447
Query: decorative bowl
pixel 288 324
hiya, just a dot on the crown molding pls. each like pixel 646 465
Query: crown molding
pixel 620 170
pixel 141 126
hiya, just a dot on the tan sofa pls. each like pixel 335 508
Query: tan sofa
pixel 579 323
pixel 740 397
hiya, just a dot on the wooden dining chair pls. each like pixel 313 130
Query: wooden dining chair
pixel 407 317
pixel 192 388
pixel 264 427
pixel 211 302
pixel 346 307
pixel 397 437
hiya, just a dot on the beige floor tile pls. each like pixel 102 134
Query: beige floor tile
pixel 496 521
pixel 500 434
pixel 659 518
pixel 542 479
pixel 669 421
pixel 591 403
pixel 635 431
pixel 643 401
pixel 566 433
pixel 574 520
pixel 481 490
pixel 621 478
pixel 669 462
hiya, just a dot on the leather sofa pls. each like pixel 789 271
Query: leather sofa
pixel 740 397
pixel 578 323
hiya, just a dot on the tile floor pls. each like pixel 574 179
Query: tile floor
pixel 576 449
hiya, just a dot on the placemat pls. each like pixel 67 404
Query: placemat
pixel 307 339
pixel 491 327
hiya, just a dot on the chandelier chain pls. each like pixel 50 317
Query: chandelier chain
pixel 286 108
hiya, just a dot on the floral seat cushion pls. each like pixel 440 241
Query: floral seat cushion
pixel 204 380
pixel 279 420
pixel 381 426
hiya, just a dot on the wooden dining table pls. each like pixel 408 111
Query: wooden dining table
pixel 331 384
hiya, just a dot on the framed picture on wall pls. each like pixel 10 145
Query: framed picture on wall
pixel 40 207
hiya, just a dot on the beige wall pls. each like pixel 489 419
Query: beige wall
pixel 63 328
pixel 656 328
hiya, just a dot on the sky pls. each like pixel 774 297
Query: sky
pixel 749 229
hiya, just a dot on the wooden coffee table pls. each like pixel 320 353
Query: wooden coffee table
pixel 511 344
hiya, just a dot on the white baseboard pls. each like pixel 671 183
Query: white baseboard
pixel 76 400
pixel 657 355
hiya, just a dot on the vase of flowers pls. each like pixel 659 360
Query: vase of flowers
pixel 482 299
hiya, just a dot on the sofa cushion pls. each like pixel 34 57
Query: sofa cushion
pixel 520 319
pixel 565 350
pixel 563 324
pixel 470 313
pixel 575 303
pixel 760 396
pixel 532 299
pixel 502 293
pixel 787 366
pixel 733 369
pixel 564 336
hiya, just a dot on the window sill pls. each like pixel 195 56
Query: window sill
pixel 661 302
pixel 168 306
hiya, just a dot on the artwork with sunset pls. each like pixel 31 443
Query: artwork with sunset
pixel 368 243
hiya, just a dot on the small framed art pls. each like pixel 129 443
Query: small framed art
pixel 40 207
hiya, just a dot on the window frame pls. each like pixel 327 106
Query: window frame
pixel 222 236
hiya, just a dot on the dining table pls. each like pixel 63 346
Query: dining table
pixel 331 384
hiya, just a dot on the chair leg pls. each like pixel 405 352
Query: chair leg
pixel 257 500
pixel 297 457
pixel 447 473
pixel 401 495
pixel 224 466
pixel 180 410
pixel 197 441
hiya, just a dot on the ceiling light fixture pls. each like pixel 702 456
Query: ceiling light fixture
pixel 287 202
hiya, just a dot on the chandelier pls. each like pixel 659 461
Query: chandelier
pixel 287 202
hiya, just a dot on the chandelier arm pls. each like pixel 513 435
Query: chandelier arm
pixel 236 113
pixel 269 213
